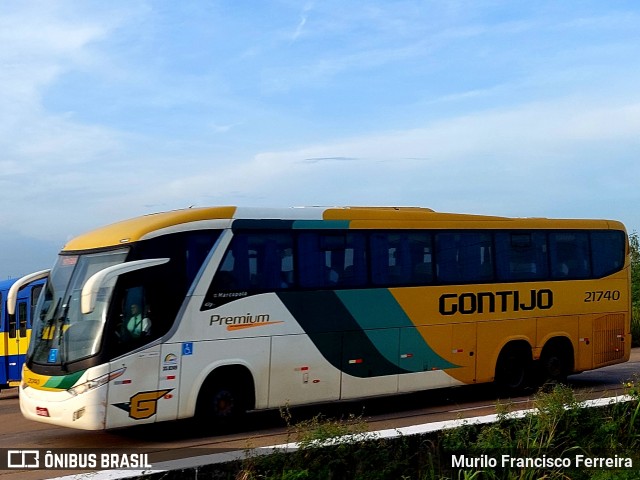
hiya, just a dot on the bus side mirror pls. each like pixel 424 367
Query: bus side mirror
pixel 93 285
pixel 12 296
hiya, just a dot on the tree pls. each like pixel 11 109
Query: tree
pixel 634 242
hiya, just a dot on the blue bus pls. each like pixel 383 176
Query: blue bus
pixel 15 330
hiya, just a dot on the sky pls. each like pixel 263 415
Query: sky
pixel 110 110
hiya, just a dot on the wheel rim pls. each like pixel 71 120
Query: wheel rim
pixel 223 404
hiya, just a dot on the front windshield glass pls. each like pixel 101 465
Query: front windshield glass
pixel 61 333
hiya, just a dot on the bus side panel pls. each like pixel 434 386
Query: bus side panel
pixel 463 352
pixel 199 359
pixel 133 397
pixel 429 363
pixel 415 358
pixel 493 336
pixel 300 373
pixel 560 326
pixel 611 344
pixel 3 358
pixel 367 370
pixel 169 380
pixel 584 359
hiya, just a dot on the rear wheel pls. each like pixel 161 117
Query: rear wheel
pixel 513 369
pixel 556 363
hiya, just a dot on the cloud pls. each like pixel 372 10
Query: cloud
pixel 111 112
pixel 540 159
pixel 328 159
pixel 300 27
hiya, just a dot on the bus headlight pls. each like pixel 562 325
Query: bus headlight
pixel 96 382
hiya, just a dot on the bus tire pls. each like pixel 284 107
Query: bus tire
pixel 556 361
pixel 513 368
pixel 223 401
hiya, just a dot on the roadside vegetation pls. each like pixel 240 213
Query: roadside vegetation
pixel 559 430
pixel 634 241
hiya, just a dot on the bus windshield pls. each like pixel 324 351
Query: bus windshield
pixel 61 333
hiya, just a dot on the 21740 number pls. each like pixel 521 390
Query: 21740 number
pixel 602 295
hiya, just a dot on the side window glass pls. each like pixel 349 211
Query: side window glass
pixel 332 260
pixel 401 258
pixel 22 318
pixel 464 257
pixel 569 255
pixel 35 294
pixel 13 330
pixel 198 246
pixel 607 251
pixel 136 323
pixel 144 308
pixel 256 262
pixel 521 256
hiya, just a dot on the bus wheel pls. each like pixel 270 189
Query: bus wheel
pixel 556 362
pixel 220 406
pixel 223 402
pixel 513 369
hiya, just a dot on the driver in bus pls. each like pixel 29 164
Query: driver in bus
pixel 136 325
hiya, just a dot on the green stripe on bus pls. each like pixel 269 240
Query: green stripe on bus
pixel 63 382
pixel 337 335
pixel 377 311
pixel 321 224
pixel 364 333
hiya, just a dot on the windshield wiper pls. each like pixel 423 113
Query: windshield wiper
pixel 61 335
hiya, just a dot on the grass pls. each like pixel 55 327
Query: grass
pixel 635 326
pixel 560 430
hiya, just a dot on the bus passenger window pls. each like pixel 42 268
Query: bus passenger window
pixel 22 318
pixel 256 262
pixel 464 257
pixel 521 256
pixel 401 258
pixel 607 252
pixel 332 260
pixel 569 255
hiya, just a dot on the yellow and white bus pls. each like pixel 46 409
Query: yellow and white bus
pixel 217 311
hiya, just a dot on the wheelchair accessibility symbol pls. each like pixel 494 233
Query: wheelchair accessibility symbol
pixel 187 348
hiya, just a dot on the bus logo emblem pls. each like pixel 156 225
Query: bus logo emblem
pixel 143 405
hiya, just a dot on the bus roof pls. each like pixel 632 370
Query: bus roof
pixel 139 228
pixel 6 284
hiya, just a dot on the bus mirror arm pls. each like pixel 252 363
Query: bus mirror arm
pixel 93 285
pixel 12 296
